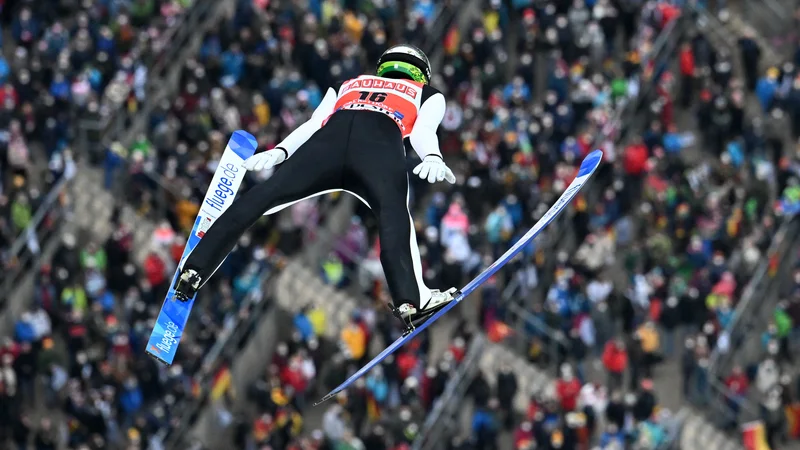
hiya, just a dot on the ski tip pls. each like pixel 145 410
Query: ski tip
pixel 325 399
pixel 243 144
pixel 590 162
pixel 157 358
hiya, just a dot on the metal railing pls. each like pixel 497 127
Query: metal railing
pixel 442 421
pixel 772 19
pixel 227 345
pixel 445 17
pixel 43 228
pixel 725 408
pixel 47 218
pixel 108 127
pixel 751 308
pixel 750 311
pixel 95 135
pixel 628 117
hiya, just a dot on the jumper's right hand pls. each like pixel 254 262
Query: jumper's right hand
pixel 265 160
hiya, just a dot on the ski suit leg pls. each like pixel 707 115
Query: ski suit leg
pixel 375 169
pixel 315 168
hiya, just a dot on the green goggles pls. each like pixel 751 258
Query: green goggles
pixel 403 67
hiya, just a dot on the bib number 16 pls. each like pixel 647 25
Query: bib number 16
pixel 376 97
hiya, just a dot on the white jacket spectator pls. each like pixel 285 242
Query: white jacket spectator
pixel 333 424
pixel 598 290
pixel 41 324
pixel 767 376
pixel 596 252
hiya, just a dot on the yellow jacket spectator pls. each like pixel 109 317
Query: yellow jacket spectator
pixel 318 320
pixel 648 335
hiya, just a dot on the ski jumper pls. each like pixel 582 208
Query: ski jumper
pixel 354 142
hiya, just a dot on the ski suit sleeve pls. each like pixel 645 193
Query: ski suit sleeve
pixel 423 137
pixel 302 133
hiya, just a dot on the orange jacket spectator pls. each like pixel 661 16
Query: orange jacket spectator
pixel 615 357
pixel 355 339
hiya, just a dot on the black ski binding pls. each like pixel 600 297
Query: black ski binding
pixel 185 288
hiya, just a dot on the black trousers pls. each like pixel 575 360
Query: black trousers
pixel 360 152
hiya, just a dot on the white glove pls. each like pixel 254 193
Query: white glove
pixel 434 169
pixel 265 160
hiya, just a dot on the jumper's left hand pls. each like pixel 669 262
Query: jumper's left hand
pixel 434 169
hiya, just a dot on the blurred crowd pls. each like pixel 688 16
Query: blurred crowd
pixel 764 380
pixel 65 61
pixel 73 348
pixel 75 361
pixel 73 369
pixel 515 146
pixel 569 414
pixel 688 206
pixel 264 71
pixel 383 410
pixel 682 217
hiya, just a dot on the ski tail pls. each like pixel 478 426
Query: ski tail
pixel 588 167
pixel 171 321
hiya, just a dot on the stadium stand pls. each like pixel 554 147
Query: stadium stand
pixel 531 84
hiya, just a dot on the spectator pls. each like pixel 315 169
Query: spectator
pixel 615 360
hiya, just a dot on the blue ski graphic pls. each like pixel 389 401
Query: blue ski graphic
pixel 588 166
pixel 174 314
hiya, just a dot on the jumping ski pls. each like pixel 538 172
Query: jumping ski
pixel 171 321
pixel 588 167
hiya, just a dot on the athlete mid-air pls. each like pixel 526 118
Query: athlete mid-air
pixel 353 142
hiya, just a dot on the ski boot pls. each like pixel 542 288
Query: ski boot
pixel 408 313
pixel 187 285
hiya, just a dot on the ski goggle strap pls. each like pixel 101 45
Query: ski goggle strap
pixel 403 67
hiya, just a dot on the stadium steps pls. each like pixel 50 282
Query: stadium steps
pixel 249 364
pixel 723 33
pixel 736 27
pixel 776 42
pixel 299 286
pixel 90 210
pixel 94 206
pixel 697 429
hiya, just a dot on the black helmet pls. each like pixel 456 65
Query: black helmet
pixel 405 61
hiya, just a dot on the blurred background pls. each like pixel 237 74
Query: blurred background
pixel 661 312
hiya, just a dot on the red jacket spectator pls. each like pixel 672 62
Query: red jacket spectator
pixel 7 91
pixel 686 59
pixel 668 13
pixel 457 348
pixel 615 357
pixel 155 269
pixel 523 436
pixel 737 382
pixel 533 408
pixel 176 250
pixel 406 362
pixel 635 159
pixel 568 388
pixel 293 376
pixel 10 348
